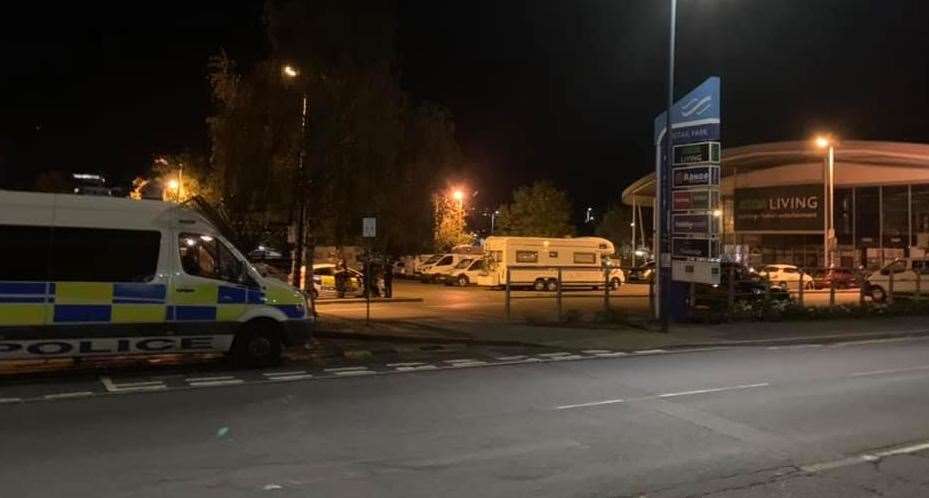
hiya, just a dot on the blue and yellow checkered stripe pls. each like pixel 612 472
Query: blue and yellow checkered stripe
pixel 37 303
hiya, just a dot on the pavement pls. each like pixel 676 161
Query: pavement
pixel 845 419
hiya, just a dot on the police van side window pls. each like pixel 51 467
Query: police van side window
pixel 24 251
pixel 103 255
pixel 205 256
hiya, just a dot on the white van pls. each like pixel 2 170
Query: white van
pixel 96 276
pixel 445 264
pixel 583 260
pixel 906 272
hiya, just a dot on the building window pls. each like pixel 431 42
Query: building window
pixel 24 252
pixel 585 258
pixel 527 257
pixel 842 216
pixel 867 216
pixel 921 216
pixel 101 255
pixel 896 216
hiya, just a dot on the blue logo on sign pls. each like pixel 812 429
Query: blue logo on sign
pixel 700 106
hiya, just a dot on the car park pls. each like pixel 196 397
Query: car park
pixel 747 287
pixel 787 276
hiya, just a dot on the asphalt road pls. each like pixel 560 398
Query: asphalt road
pixel 440 302
pixel 841 420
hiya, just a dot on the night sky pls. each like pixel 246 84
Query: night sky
pixel 562 90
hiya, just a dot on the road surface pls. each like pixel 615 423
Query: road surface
pixel 839 420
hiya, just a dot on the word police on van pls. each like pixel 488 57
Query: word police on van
pixel 84 276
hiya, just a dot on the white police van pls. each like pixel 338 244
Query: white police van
pixel 92 276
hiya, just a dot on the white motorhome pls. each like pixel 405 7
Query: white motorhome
pixel 95 276
pixel 536 260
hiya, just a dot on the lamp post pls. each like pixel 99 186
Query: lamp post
pixel 824 142
pixel 664 206
pixel 493 217
pixel 290 72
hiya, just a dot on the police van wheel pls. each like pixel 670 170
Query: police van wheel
pixel 551 285
pixel 258 344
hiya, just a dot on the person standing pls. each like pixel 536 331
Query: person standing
pixel 388 278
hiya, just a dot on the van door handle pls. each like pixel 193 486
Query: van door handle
pixel 183 289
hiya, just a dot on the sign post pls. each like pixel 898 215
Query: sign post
pixel 368 231
pixel 687 160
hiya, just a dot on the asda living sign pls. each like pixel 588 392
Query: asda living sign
pixel 779 209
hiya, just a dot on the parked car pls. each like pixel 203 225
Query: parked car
pixel 907 272
pixel 642 273
pixel 841 278
pixel 786 275
pixel 426 263
pixel 748 287
pixel 465 273
pixel 324 280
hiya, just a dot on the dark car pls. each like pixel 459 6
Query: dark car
pixel 748 287
pixel 642 273
pixel 842 278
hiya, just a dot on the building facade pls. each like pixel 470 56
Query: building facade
pixel 773 209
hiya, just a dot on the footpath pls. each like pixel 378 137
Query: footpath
pixel 626 337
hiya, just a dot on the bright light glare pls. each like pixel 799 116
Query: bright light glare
pixel 717 213
pixel 206 238
pixel 190 242
pixel 290 71
pixel 173 184
pixel 458 195
pixel 822 142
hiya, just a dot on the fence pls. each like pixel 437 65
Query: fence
pixel 559 278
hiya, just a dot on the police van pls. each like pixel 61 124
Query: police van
pixel 95 276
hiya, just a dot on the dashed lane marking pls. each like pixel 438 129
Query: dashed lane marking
pixel 553 355
pixel 592 403
pixel 406 364
pixel 78 394
pixel 291 377
pixel 278 374
pixel 415 368
pixel 114 387
pixel 225 380
pixel 569 357
pixel 209 379
pixel 889 371
pixel 650 351
pixel 610 355
pixel 865 457
pixel 345 369
pixel 713 390
pixel 512 358
pixel 347 373
pixel 595 351
pixel 10 400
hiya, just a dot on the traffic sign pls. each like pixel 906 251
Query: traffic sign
pixel 368 227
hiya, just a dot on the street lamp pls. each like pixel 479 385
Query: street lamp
pixel 175 185
pixel 826 143
pixel 458 195
pixel 291 72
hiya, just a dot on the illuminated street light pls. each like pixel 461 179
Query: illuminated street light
pixel 825 142
pixel 458 195
pixel 290 71
pixel 717 213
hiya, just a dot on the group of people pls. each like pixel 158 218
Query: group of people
pixel 378 278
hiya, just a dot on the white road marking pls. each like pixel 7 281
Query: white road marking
pixel 650 351
pixel 593 403
pixel 866 457
pixel 355 372
pixel 406 364
pixel 291 377
pixel 460 360
pixel 412 369
pixel 78 394
pixel 596 351
pixel 512 358
pixel 611 355
pixel 208 379
pixel 889 371
pixel 901 451
pixel 10 400
pixel 552 355
pixel 473 363
pixel 113 387
pixel 345 369
pixel 209 383
pixel 278 374
pixel 713 390
pixel 569 357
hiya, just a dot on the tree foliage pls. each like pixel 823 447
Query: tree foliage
pixel 537 210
